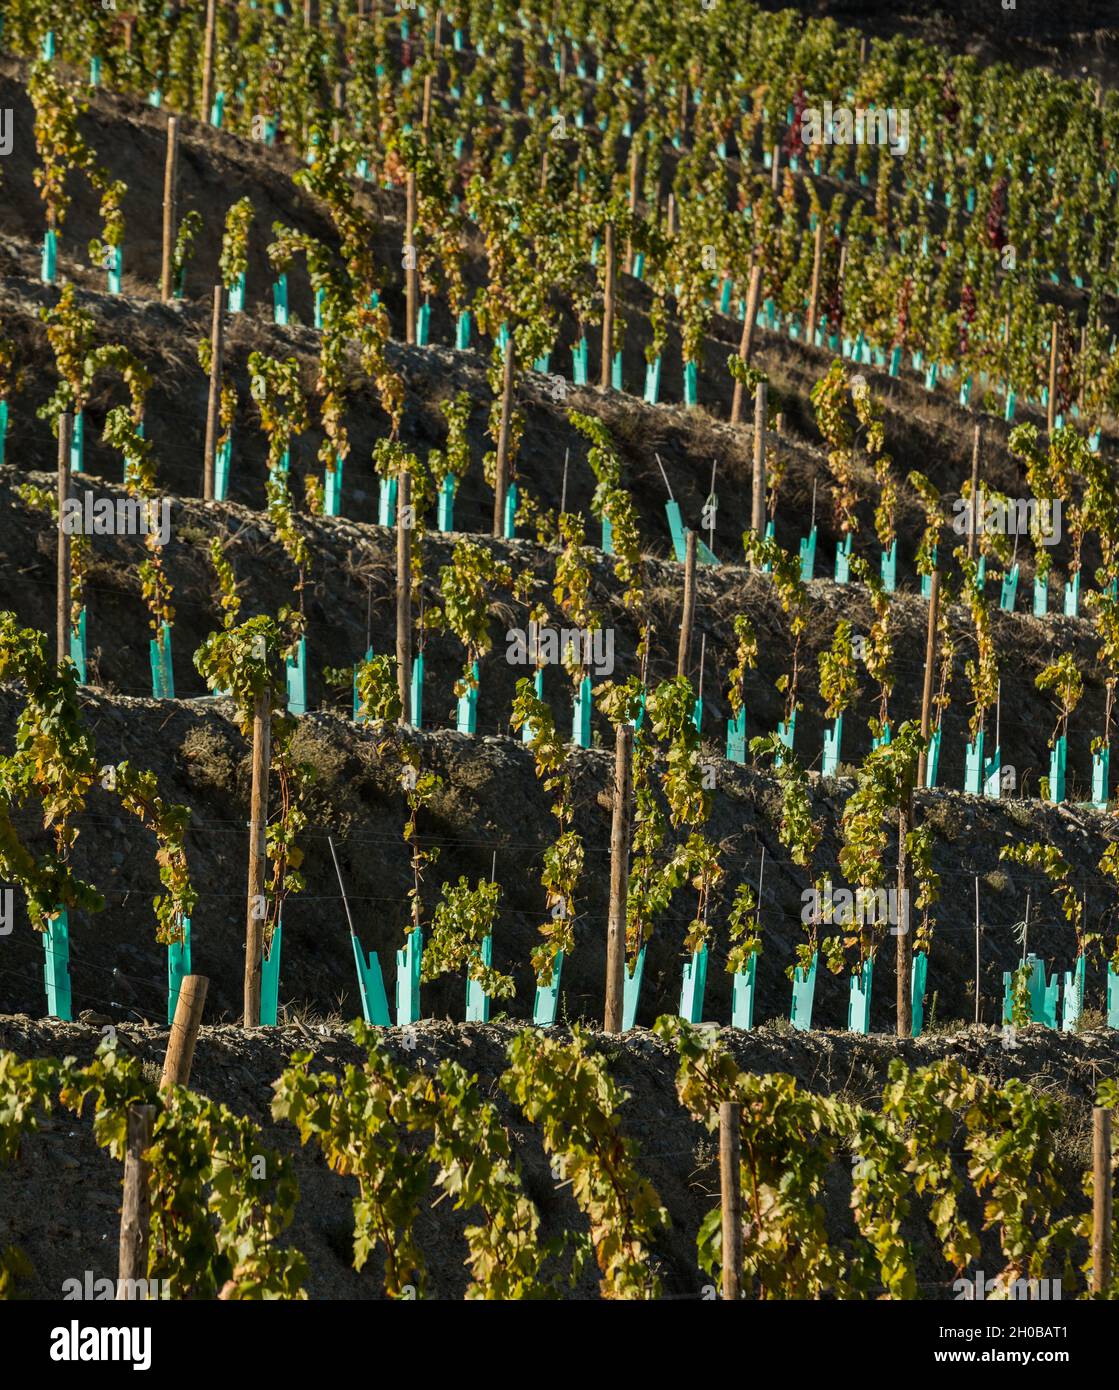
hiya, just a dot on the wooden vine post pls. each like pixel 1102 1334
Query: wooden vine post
pixel 213 401
pixel 170 181
pixel 814 292
pixel 746 343
pixel 1051 403
pixel 687 617
pixel 135 1217
pixel 410 272
pixel 208 59
pixel 757 508
pixel 184 1032
pixel 973 529
pixel 501 468
pixel 254 932
pixel 619 878
pixel 904 924
pixel 1101 1200
pixel 404 595
pixel 634 186
pixel 608 310
pixel 62 608
pixel 730 1193
pixel 930 663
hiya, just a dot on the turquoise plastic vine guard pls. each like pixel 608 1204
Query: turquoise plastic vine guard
pixel 579 363
pixel 270 980
pixel 236 302
pixel 843 561
pixel 1009 592
pixel 691 384
pixel 511 512
pixel 697 714
pixel 423 324
pixel 786 733
pixel 1043 996
pixel 217 111
pixel 386 503
pixel 992 775
pixel 528 728
pixel 223 456
pixel 77 444
pixel 616 379
pixel 547 997
pixel 742 995
pixel 808 557
pixel 631 990
pixel 467 720
pixel 280 300
pixel 416 693
pixel 652 381
pixel 371 987
pixel 178 965
pixel 477 1000
pixel 408 964
pixel 581 715
pixel 1072 596
pixel 725 295
pixel 895 361
pixel 359 718
pixel 1101 763
pixel 541 364
pixel 889 568
pixel 462 331
pixel 115 271
pixel 78 647
pixel 446 515
pixel 1011 402
pixel 1112 998
pixel 333 489
pixel 639 266
pixel 833 739
pixel 858 1003
pixel 917 994
pixel 881 740
pixel 694 985
pixel 95 71
pixel 3 427
pixel 56 966
pixel 736 737
pixel 49 267
pixel 804 993
pixel 163 674
pixel 1072 998
pixel 297 679
pixel 933 761
pixel 1041 597
pixel 973 765
pixel 607 534
pixel 1058 760
pixel 679 540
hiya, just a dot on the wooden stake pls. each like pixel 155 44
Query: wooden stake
pixel 973 530
pixel 62 609
pixel 619 878
pixel 170 181
pixel 730 1192
pixel 634 185
pixel 814 292
pixel 930 666
pixel 184 1032
pixel 977 950
pixel 501 470
pixel 608 310
pixel 776 168
pixel 254 930
pixel 208 60
pixel 746 342
pixel 410 274
pixel 213 403
pixel 404 595
pixel 135 1216
pixel 757 512
pixel 1101 1200
pixel 904 925
pixel 689 604
pixel 1051 408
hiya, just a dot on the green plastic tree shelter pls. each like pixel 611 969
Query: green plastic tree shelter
pixel 1072 997
pixel 581 714
pixel 332 480
pixel 467 714
pixel 1112 998
pixel 843 561
pixel 736 737
pixel 858 1003
pixel 163 675
pixel 178 966
pixel 808 557
pixel 804 993
pixel 680 541
pixel 386 502
pixel 1101 763
pixel 445 520
pixel 917 992
pixel 270 979
pixel 408 964
pixel 280 300
pixel 3 427
pixel 833 740
pixel 477 1000
pixel 223 457
pixel 56 966
pixel 78 647
pixel 1043 996
pixel 693 987
pixel 1058 762
pixel 631 990
pixel 742 994
pixel 371 987
pixel 296 672
pixel 547 997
